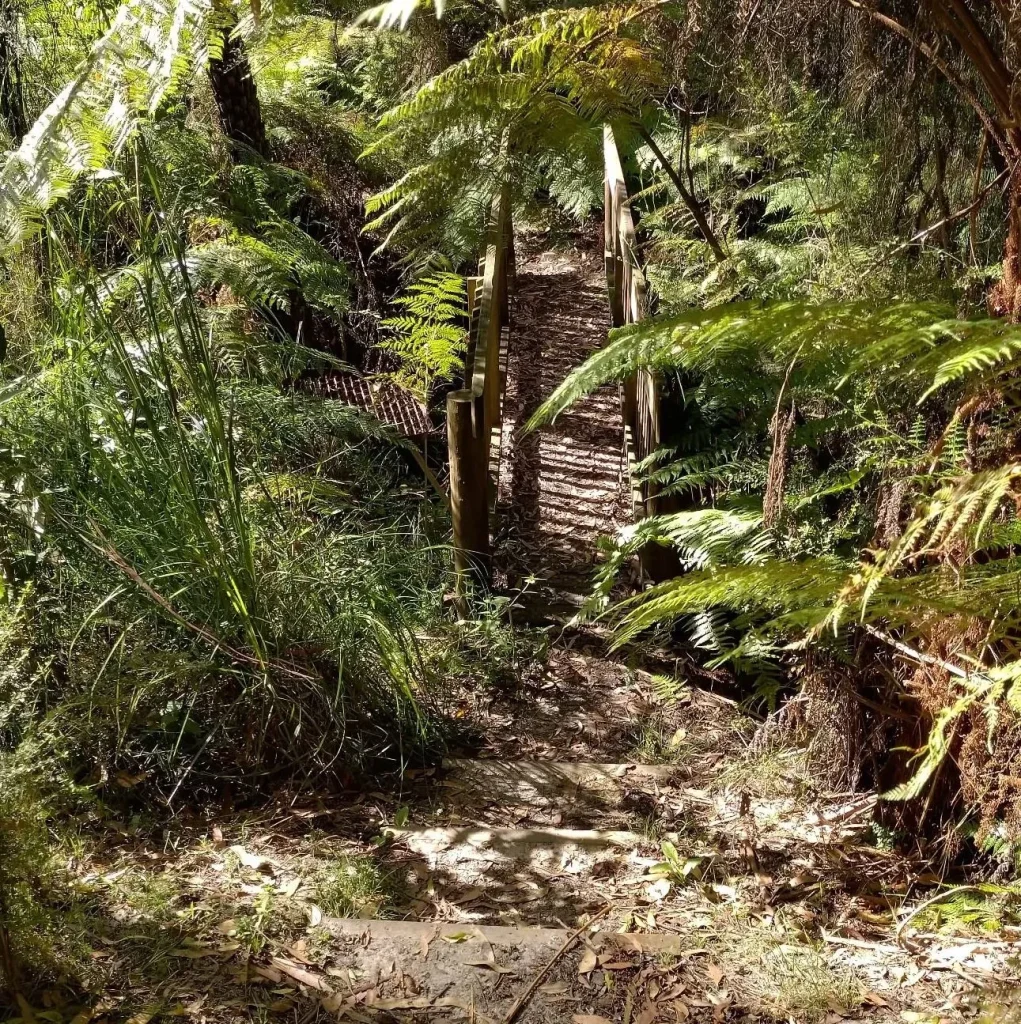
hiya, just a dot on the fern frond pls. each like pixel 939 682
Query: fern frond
pixel 145 55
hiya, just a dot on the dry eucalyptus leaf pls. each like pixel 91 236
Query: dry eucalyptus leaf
pixel 555 988
pixel 299 974
pixel 470 896
pixel 589 961
pixel 418 1003
pixel 589 1018
pixel 715 973
pixel 490 965
pixel 144 1015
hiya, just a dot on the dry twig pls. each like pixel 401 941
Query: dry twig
pixel 523 1000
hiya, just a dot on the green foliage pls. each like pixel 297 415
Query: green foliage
pixel 879 392
pixel 428 336
pixel 526 107
pixel 141 59
pixel 252 621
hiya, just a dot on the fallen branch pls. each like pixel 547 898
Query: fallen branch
pixel 921 657
pixel 523 1000
pixel 922 235
pixel 876 947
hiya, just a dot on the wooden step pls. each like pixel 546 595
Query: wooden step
pixel 536 876
pixel 552 783
pixel 432 969
pixel 484 843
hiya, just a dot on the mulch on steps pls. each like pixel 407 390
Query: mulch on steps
pixel 774 907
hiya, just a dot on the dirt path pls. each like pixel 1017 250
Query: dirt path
pixel 560 488
pixel 726 888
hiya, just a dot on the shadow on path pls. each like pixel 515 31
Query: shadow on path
pixel 560 487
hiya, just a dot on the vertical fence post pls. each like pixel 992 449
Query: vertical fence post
pixel 474 413
pixel 640 398
pixel 469 482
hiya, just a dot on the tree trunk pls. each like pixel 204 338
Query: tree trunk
pixel 236 97
pixel 1005 298
pixel 12 100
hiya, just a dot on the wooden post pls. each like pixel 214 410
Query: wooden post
pixel 640 398
pixel 474 414
pixel 469 510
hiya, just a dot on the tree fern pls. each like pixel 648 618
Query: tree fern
pixel 428 337
pixel 529 96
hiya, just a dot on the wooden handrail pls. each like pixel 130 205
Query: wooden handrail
pixel 640 395
pixel 474 413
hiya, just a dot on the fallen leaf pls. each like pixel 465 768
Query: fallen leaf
pixel 315 981
pixel 617 965
pixel 228 927
pixel 721 1002
pixel 715 973
pixel 299 950
pixel 423 942
pixel 874 999
pixel 589 1018
pixel 555 988
pixel 315 916
pixel 491 965
pixel 252 860
pixel 647 1016
pixel 589 961
pixel 281 1005
pixel 291 887
pixel 351 1013
pixel 470 896
pixel 456 937
pixel 520 894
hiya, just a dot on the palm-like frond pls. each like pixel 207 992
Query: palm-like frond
pixel 147 52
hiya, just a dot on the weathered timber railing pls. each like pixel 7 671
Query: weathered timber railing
pixel 474 414
pixel 640 394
